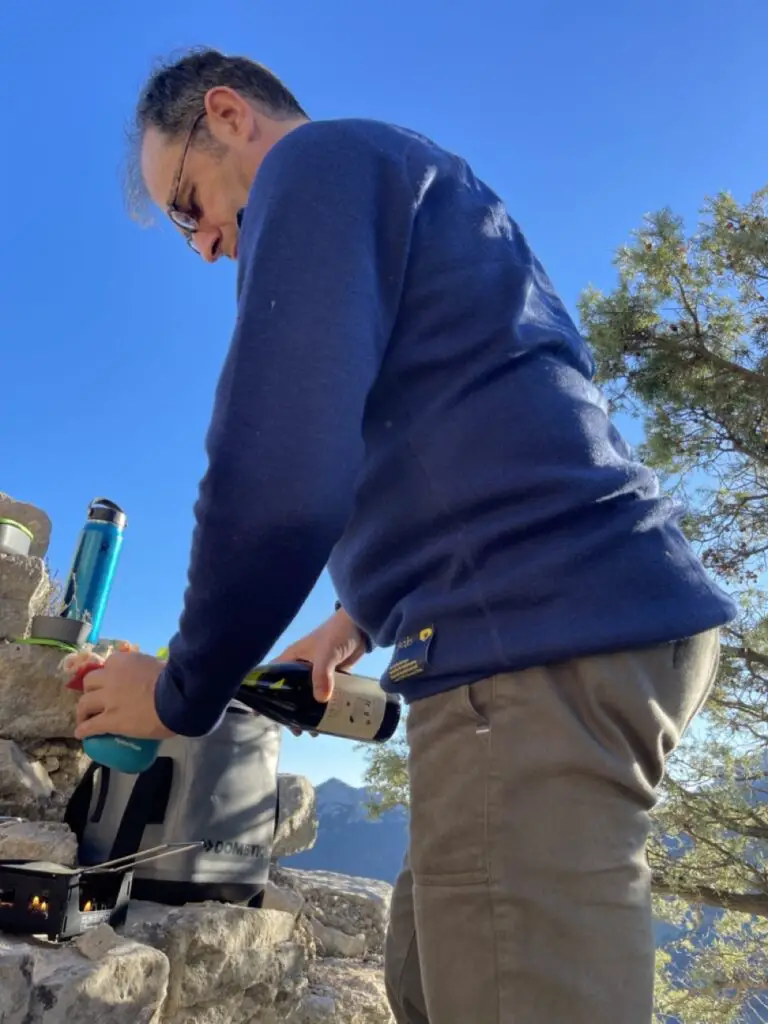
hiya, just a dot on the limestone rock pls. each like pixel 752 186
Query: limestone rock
pixel 344 992
pixel 24 588
pixel 330 941
pixel 297 821
pixel 21 780
pixel 42 983
pixel 290 901
pixel 334 943
pixel 37 840
pixel 229 965
pixel 16 970
pixel 35 520
pixel 34 702
pixel 26 790
pixel 96 942
pixel 65 762
pixel 352 905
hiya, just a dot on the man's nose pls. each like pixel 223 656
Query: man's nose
pixel 208 244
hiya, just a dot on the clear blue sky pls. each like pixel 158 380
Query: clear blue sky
pixel 583 116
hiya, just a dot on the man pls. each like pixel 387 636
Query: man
pixel 406 400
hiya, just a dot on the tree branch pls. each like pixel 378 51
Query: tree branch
pixel 700 349
pixel 746 654
pixel 744 902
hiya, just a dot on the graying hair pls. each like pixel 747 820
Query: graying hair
pixel 173 97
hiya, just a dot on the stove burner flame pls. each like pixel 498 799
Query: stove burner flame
pixel 38 905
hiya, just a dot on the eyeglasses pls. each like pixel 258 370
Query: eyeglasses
pixel 185 221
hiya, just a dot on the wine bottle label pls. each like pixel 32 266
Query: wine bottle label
pixel 355 710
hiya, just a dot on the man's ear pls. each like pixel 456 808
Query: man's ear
pixel 230 117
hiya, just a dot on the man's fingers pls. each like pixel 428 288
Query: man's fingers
pixel 98 725
pixel 286 655
pixel 323 666
pixel 93 680
pixel 322 680
pixel 293 652
pixel 90 704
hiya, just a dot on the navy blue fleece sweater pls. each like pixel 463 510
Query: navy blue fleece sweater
pixel 406 400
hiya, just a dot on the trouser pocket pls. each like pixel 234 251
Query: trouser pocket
pixel 449 738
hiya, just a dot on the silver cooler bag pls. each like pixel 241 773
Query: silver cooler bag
pixel 220 789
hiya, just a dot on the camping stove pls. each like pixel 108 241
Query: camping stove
pixel 43 898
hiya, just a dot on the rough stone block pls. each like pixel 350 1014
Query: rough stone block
pixel 96 942
pixel 290 901
pixel 65 762
pixel 24 588
pixel 37 840
pixel 297 820
pixel 21 779
pixel 228 964
pixel 16 970
pixel 344 992
pixel 35 703
pixel 35 520
pixel 26 789
pixel 354 906
pixel 334 943
pixel 41 983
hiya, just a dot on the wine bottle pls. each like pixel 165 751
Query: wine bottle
pixel 358 709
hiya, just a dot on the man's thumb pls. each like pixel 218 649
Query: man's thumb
pixel 322 678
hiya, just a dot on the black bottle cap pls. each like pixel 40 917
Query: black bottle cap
pixel 105 511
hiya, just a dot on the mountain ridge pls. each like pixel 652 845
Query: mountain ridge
pixel 349 841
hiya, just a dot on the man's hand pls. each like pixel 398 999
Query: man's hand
pixel 120 699
pixel 336 644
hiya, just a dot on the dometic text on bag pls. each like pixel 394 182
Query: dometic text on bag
pixel 234 848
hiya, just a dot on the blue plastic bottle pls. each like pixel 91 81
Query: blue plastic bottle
pixel 85 597
pixel 93 566
pixel 121 753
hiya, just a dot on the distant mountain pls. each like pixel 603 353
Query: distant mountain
pixel 348 841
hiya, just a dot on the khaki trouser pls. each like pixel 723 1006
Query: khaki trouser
pixel 526 897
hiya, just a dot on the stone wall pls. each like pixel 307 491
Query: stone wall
pixel 312 954
pixel 211 963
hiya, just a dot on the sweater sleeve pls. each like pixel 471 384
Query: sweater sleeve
pixel 322 256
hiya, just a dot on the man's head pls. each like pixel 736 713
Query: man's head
pixel 203 126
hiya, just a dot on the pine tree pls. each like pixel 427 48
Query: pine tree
pixel 682 341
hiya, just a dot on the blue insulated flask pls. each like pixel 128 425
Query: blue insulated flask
pixel 88 587
pixel 93 566
pixel 121 753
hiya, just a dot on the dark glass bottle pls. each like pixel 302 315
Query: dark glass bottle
pixel 358 709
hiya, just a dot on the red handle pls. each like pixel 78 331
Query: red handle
pixel 76 682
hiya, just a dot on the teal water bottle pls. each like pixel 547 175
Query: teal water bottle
pixel 121 753
pixel 93 565
pixel 85 598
